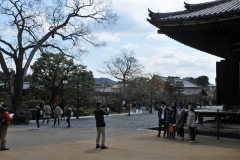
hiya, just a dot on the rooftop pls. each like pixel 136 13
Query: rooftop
pixel 216 9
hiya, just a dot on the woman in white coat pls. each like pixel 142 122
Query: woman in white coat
pixel 191 123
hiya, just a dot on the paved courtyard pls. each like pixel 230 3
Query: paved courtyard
pixel 81 129
pixel 127 138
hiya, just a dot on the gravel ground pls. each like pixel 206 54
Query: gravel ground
pixel 22 136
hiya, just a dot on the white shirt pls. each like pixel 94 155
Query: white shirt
pixel 163 109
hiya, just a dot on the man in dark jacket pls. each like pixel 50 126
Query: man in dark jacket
pixel 161 119
pixel 69 114
pixel 100 124
pixel 38 114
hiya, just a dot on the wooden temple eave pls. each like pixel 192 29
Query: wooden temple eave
pixel 189 22
pixel 217 26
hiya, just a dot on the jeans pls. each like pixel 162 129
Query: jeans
pixel 68 121
pixel 37 121
pixel 55 121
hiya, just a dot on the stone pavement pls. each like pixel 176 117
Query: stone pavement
pixel 143 145
pixel 126 138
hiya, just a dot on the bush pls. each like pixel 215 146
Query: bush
pixel 32 103
pixel 89 111
pixel 24 109
pixel 113 106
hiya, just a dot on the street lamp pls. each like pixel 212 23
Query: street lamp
pixel 64 81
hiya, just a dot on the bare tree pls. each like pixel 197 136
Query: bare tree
pixel 123 67
pixel 28 26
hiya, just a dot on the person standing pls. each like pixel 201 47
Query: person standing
pixel 191 123
pixel 47 113
pixel 38 115
pixel 167 120
pixel 189 135
pixel 123 103
pixel 57 114
pixel 173 121
pixel 161 119
pixel 63 110
pixel 100 125
pixel 180 117
pixel 69 114
pixel 134 105
pixel 4 127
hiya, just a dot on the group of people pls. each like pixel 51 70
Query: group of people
pixel 134 107
pixel 56 112
pixel 173 120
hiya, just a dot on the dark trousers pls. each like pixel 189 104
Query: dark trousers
pixel 181 132
pixel 161 122
pixel 192 133
pixel 68 121
pixel 3 135
pixel 46 119
pixel 37 121
pixel 55 121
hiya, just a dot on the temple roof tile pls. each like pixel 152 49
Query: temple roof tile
pixel 199 11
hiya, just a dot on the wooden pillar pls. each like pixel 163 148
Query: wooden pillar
pixel 227 81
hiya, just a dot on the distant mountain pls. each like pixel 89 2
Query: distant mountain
pixel 104 81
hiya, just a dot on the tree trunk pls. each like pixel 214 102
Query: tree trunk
pixel 17 95
pixel 77 114
pixel 52 98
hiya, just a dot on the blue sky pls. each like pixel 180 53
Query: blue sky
pixel 158 53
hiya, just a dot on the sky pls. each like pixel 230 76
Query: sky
pixel 156 52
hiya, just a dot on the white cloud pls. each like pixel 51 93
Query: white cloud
pixel 130 46
pixel 156 36
pixel 108 37
pixel 169 61
pixel 108 48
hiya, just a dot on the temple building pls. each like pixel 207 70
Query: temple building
pixel 212 27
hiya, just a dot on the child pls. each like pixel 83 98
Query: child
pixel 173 122
pixel 167 120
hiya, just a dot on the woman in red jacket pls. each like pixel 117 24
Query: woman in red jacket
pixel 3 129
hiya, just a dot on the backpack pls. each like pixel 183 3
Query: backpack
pixel 2 121
pixel 58 111
pixel 47 111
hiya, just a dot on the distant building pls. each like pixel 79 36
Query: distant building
pixel 192 93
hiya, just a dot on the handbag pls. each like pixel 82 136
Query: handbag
pixel 170 129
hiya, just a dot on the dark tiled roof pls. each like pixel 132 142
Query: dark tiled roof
pixel 186 83
pixel 199 11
